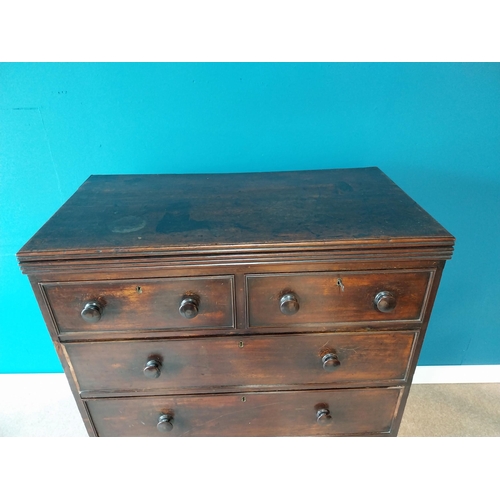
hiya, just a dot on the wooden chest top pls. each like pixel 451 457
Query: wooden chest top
pixel 137 215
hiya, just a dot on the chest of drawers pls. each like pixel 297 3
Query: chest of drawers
pixel 260 304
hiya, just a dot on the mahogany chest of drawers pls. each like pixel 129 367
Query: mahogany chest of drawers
pixel 260 304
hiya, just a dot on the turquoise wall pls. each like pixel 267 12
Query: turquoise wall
pixel 433 128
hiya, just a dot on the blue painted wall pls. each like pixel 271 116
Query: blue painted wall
pixel 433 128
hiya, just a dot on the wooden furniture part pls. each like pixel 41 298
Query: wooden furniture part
pixel 259 304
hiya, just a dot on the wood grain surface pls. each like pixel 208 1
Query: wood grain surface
pixel 335 297
pixel 161 214
pixel 188 365
pixel 353 411
pixel 146 304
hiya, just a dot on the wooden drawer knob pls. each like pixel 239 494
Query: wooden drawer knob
pixel 385 301
pixel 165 423
pixel 330 362
pixel 152 369
pixel 289 304
pixel 189 306
pixel 92 312
pixel 323 416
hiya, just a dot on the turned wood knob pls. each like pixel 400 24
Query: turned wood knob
pixel 92 312
pixel 385 301
pixel 330 362
pixel 323 416
pixel 189 306
pixel 152 369
pixel 289 304
pixel 165 423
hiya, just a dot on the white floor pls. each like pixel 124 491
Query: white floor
pixel 39 405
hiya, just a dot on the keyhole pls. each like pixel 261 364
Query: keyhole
pixel 241 344
pixel 138 289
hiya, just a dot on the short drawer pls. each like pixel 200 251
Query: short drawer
pixel 294 413
pixel 304 299
pixel 147 304
pixel 190 365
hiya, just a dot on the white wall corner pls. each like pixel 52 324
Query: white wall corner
pixel 457 374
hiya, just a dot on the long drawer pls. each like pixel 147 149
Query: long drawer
pixel 236 362
pixel 294 413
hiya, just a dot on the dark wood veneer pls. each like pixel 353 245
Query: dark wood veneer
pixel 142 304
pixel 335 297
pixel 263 304
pixel 352 411
pixel 230 213
pixel 257 361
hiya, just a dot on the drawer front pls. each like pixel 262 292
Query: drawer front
pixel 305 299
pixel 294 413
pixel 236 362
pixel 142 304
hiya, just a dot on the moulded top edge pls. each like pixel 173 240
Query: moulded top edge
pixel 393 245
